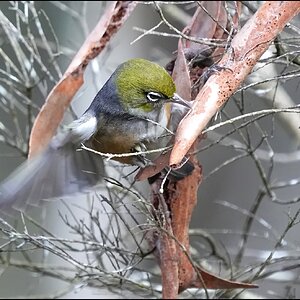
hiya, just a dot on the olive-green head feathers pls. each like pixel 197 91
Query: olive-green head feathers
pixel 143 85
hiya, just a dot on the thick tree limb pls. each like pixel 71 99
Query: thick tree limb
pixel 246 48
pixel 174 206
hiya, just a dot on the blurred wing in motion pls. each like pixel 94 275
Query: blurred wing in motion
pixel 60 170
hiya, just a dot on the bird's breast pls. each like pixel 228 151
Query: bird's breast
pixel 119 136
pixel 114 143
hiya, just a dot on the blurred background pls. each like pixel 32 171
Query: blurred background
pixel 250 190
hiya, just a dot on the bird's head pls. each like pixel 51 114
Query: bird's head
pixel 143 87
pixel 137 87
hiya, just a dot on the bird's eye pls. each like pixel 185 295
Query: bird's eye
pixel 154 97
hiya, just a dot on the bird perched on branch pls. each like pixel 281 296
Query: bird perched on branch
pixel 133 112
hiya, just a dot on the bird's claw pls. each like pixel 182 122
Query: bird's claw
pixel 141 159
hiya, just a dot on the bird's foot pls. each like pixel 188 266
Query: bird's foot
pixel 140 159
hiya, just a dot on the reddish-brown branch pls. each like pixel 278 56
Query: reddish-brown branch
pixel 63 92
pixel 179 198
pixel 246 48
pixel 168 262
pixel 173 211
pixel 168 259
pixel 183 199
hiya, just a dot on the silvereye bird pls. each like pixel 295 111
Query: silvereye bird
pixel 130 113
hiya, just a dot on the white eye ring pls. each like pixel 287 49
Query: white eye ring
pixel 154 97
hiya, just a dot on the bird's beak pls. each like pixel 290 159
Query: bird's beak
pixel 177 99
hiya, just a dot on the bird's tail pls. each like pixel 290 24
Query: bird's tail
pixel 54 173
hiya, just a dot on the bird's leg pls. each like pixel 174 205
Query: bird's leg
pixel 141 159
